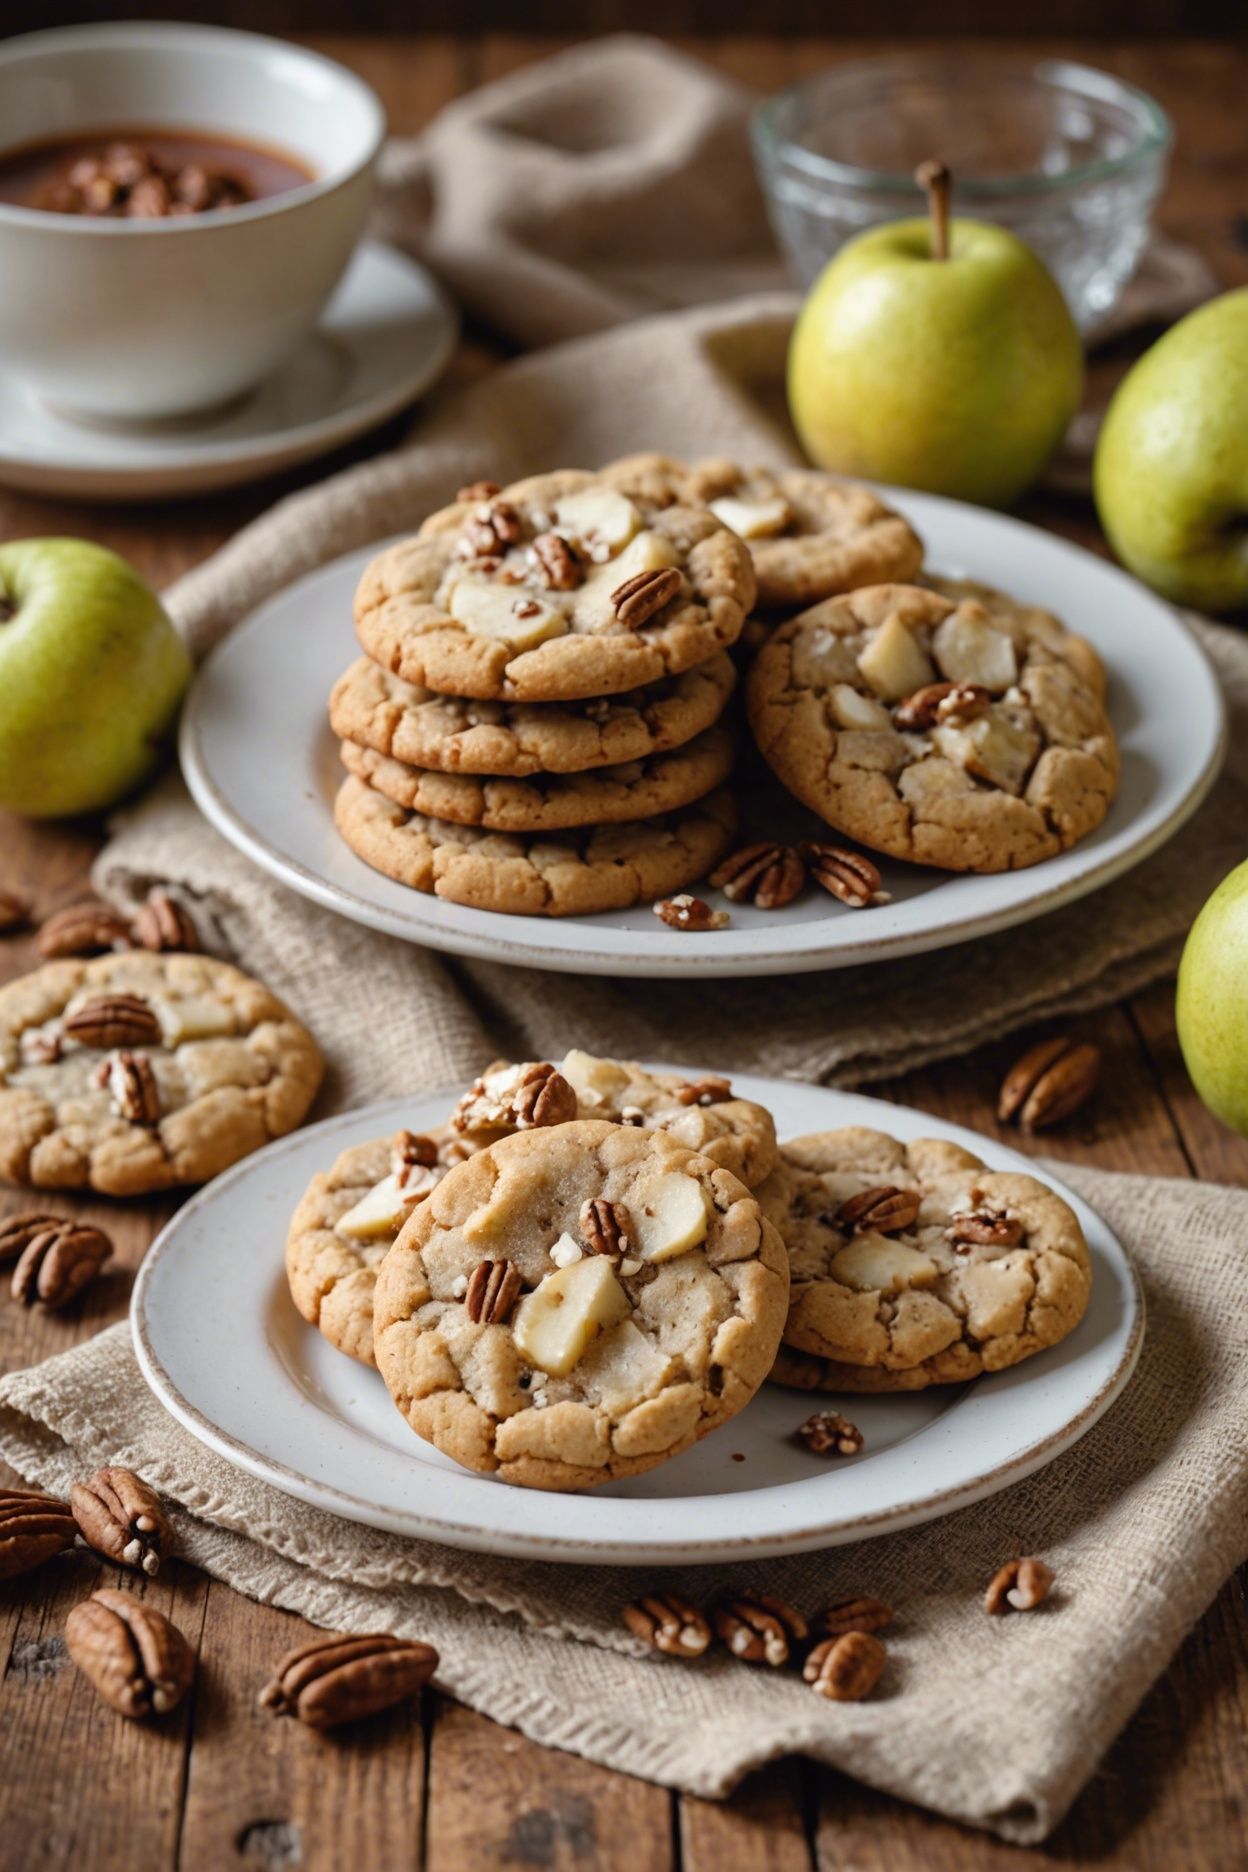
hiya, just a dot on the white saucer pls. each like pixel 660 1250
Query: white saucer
pixel 385 336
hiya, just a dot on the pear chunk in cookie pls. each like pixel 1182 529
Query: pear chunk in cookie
pixel 577 1303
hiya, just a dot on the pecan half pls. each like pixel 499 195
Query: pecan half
pixel 117 1020
pixel 767 875
pixel 827 1433
pixel 163 923
pixel 493 1289
pixel 758 1628
pixel 1051 1080
pixel 1018 1586
pixel 543 1097
pixel 860 1615
pixel 846 1669
pixel 121 1518
pixel 643 596
pixel 132 1087
pixel 709 1091
pixel 605 1226
pixel 33 1527
pixel 984 1227
pixel 339 1678
pixel 82 929
pixel 689 913
pixel 479 491
pixel 133 1656
pixel 14 911
pixel 846 874
pixel 953 702
pixel 668 1623
pixel 887 1210
pixel 556 562
pixel 18 1231
pixel 58 1261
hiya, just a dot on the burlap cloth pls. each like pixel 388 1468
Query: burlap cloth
pixel 613 181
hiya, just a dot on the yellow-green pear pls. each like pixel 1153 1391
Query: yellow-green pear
pixel 1211 1008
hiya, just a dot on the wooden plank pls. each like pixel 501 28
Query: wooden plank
pixel 764 1826
pixel 1214 1152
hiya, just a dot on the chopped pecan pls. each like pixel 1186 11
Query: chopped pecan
pixel 556 562
pixel 58 1261
pixel 709 1091
pixel 82 929
pixel 887 1210
pixel 132 1087
pixel 41 1046
pixel 479 491
pixel 643 596
pixel 543 1097
pixel 116 1020
pixel 412 1150
pixel 33 1527
pixel 689 913
pixel 164 923
pixel 768 875
pixel 668 1623
pixel 758 1628
pixel 605 1226
pixel 859 1615
pixel 14 911
pixel 984 1227
pixel 846 1669
pixel 339 1678
pixel 846 874
pixel 138 1662
pixel 121 1517
pixel 494 528
pixel 493 1289
pixel 1019 1586
pixel 1051 1080
pixel 827 1433
pixel 953 702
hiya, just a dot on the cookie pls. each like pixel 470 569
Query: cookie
pixel 700 1113
pixel 559 587
pixel 347 1219
pixel 552 802
pixel 914 1265
pixel 1027 624
pixel 939 732
pixel 458 735
pixel 559 874
pixel 809 535
pixel 136 1072
pixel 577 1304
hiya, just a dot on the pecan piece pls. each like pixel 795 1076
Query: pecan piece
pixel 33 1527
pixel 412 1150
pixel 846 1669
pixel 14 911
pixel 642 597
pixel 543 1097
pixel 58 1261
pixel 767 875
pixel 858 1615
pixel 339 1678
pixel 1019 1586
pixel 605 1227
pixel 82 929
pixel 493 1289
pixel 846 874
pixel 689 913
pixel 134 1657
pixel 827 1433
pixel 668 1623
pixel 118 1020
pixel 1051 1080
pixel 556 562
pixel 18 1231
pixel 984 1227
pixel 952 702
pixel 479 491
pixel 759 1629
pixel 496 526
pixel 709 1091
pixel 132 1087
pixel 121 1518
pixel 164 923
pixel 887 1210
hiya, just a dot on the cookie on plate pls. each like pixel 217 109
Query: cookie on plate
pixel 577 1304
pixel 701 1113
pixel 945 733
pixel 914 1265
pixel 136 1072
pixel 572 873
pixel 456 734
pixel 552 802
pixel 558 587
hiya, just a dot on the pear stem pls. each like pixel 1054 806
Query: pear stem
pixel 935 179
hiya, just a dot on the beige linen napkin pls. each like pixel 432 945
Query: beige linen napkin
pixel 998 1722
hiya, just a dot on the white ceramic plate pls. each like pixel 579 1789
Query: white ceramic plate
pixel 263 766
pixel 384 337
pixel 221 1344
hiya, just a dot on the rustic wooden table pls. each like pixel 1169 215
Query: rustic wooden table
pixel 218 1784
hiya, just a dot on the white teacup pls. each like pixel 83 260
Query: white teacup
pixel 131 320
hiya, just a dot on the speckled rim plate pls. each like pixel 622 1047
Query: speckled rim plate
pixel 219 1341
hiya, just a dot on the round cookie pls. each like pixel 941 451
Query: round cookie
pixel 552 802
pixel 559 587
pixel 456 734
pixel 571 873
pixel 136 1072
pixel 700 1114
pixel 561 1347
pixel 972 1271
pixel 942 733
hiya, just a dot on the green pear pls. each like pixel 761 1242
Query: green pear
pixel 91 675
pixel 936 355
pixel 1211 1007
pixel 1171 470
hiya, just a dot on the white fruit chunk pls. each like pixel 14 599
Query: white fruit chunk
pixel 596 1082
pixel 555 1324
pixel 623 1366
pixel 669 1216
pixel 488 609
pixel 193 1019
pixel 648 552
pixel 993 748
pixel 380 1214
pixel 968 649
pixel 597 517
pixel 894 663
pixel 850 709
pixel 875 1263
pixel 752 519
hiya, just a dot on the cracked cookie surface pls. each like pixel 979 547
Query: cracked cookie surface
pixel 921 1304
pixel 582 1365
pixel 970 735
pixel 198 1066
